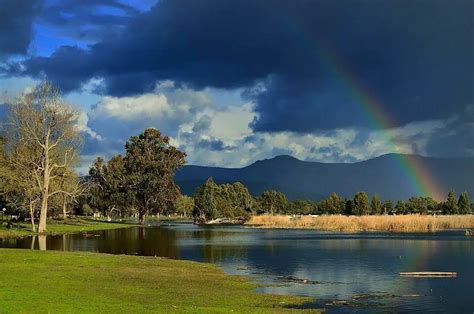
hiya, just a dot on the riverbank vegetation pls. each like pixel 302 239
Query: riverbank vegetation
pixel 222 201
pixel 9 229
pixel 273 202
pixel 233 200
pixel 402 223
pixel 89 282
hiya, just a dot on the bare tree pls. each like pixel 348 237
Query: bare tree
pixel 71 188
pixel 18 185
pixel 43 127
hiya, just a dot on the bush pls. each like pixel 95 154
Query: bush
pixel 87 210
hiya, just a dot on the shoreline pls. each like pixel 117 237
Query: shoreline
pixel 339 223
pixel 71 225
pixel 392 224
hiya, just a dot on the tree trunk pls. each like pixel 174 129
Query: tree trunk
pixel 141 217
pixel 43 215
pixel 45 192
pixel 32 215
pixel 64 208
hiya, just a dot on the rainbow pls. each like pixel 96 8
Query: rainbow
pixel 421 182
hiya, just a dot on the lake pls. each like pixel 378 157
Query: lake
pixel 344 272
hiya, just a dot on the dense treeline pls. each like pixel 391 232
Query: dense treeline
pixel 233 200
pixel 226 200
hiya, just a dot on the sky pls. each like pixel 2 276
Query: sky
pixel 232 82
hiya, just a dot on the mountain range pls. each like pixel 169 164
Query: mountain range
pixel 385 176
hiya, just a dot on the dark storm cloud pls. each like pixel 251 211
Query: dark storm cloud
pixel 415 56
pixel 456 139
pixel 213 145
pixel 86 19
pixel 16 20
pixel 203 124
pixel 333 153
pixel 73 19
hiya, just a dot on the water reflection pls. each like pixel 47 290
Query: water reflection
pixel 42 242
pixel 342 265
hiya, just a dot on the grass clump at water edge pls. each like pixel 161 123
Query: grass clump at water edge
pixel 399 223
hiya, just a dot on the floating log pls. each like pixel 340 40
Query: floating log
pixel 358 297
pixel 222 221
pixel 429 274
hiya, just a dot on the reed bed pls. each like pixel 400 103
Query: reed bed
pixel 401 223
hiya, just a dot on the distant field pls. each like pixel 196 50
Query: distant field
pixel 65 282
pixel 401 223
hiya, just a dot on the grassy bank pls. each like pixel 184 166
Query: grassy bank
pixel 58 282
pixel 402 223
pixel 59 226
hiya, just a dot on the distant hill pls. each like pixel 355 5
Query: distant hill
pixel 314 180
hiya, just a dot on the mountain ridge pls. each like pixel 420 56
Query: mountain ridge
pixel 296 178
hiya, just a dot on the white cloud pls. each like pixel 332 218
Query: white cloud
pixel 11 87
pixel 233 122
pixel 132 108
pixel 195 122
pixel 81 124
pixel 93 85
pixel 85 162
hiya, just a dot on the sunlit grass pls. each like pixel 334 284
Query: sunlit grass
pixel 65 282
pixel 401 223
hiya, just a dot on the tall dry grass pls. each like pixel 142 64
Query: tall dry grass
pixel 402 223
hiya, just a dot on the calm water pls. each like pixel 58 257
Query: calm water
pixel 337 266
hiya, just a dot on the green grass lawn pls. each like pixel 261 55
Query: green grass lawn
pixel 60 282
pixel 59 226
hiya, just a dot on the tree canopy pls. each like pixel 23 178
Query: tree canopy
pixel 218 201
pixel 360 204
pixel 333 204
pixel 464 205
pixel 272 202
pixel 375 205
pixel 143 179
